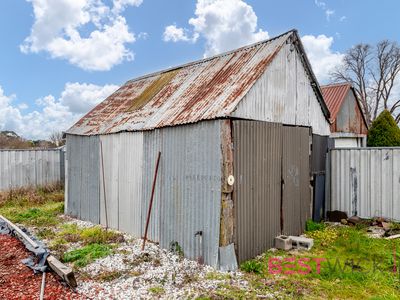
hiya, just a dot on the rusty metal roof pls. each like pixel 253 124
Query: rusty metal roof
pixel 334 95
pixel 206 89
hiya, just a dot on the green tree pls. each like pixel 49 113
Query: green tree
pixel 384 131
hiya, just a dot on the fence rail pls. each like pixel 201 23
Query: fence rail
pixel 21 168
pixel 366 182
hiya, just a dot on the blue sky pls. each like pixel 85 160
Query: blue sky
pixel 53 68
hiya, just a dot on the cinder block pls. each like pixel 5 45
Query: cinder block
pixel 283 242
pixel 299 242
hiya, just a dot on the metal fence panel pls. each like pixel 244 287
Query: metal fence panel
pixel 23 168
pixel 366 182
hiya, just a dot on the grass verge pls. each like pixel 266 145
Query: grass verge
pixel 343 264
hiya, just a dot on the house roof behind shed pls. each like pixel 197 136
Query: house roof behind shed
pixel 207 89
pixel 334 95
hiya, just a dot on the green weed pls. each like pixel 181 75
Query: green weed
pixel 87 254
pixel 157 290
pixel 313 226
pixel 252 266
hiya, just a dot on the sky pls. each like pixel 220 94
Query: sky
pixel 59 58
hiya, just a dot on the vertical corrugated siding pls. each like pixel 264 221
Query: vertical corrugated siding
pixel 366 181
pixel 110 145
pixel 188 191
pixel 296 200
pixel 257 168
pixel 83 177
pixel 19 168
pixel 284 94
pixel 130 177
pixel 152 142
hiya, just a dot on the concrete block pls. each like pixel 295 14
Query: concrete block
pixel 299 242
pixel 283 242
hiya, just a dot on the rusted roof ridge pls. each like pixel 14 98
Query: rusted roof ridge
pixel 207 89
pixel 203 60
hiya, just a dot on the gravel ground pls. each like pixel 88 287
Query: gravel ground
pixel 19 282
pixel 130 273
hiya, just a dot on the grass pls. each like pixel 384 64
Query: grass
pixel 352 266
pixel 33 207
pixel 91 235
pixel 157 290
pixel 41 207
pixel 87 254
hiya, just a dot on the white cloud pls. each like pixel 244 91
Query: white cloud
pixel 320 4
pixel 175 34
pixel 343 18
pixel 143 35
pixel 329 13
pixel 81 97
pixel 224 24
pixel 53 114
pixel 120 5
pixel 87 33
pixel 322 58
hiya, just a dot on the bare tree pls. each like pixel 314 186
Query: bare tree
pixel 57 138
pixel 374 72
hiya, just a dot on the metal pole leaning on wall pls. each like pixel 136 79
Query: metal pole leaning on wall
pixel 151 200
pixel 104 182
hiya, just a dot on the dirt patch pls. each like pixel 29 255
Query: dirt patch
pixel 19 282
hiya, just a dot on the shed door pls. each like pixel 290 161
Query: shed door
pixel 257 192
pixel 272 189
pixel 296 196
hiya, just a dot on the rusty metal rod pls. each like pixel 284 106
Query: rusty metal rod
pixel 151 200
pixel 104 182
pixel 41 296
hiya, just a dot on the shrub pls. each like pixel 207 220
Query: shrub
pixel 384 131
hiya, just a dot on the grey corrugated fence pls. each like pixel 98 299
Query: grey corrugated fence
pixel 366 182
pixel 21 168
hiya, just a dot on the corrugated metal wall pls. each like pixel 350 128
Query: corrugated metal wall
pixel 123 174
pixel 83 178
pixel 272 189
pixel 284 94
pixel 366 182
pixel 296 196
pixel 188 192
pixel 19 168
pixel 319 155
pixel 257 191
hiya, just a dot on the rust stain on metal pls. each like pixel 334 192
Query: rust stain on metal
pixel 334 96
pixel 202 90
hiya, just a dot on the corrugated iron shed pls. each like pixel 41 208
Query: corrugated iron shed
pixel 207 89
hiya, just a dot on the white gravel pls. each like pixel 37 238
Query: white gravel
pixel 154 273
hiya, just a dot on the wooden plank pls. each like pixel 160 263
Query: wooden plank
pixel 20 232
pixel 62 270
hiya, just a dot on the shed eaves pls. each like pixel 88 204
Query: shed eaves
pixel 207 89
